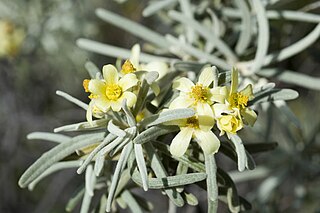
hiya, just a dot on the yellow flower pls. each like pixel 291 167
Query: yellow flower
pixel 198 128
pixel 234 113
pixel 239 100
pixel 10 39
pixel 229 122
pixel 199 95
pixel 110 92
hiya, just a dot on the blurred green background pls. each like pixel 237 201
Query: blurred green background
pixel 49 60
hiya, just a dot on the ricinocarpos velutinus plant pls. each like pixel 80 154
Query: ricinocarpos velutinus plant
pixel 183 104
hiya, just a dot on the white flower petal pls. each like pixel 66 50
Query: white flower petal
pixel 204 109
pixel 110 74
pixel 131 98
pixel 128 81
pixel 102 103
pixel 135 56
pixel 207 76
pixel 247 91
pixel 180 142
pixel 97 87
pixel 182 101
pixel 218 109
pixel 183 84
pixel 249 116
pixel 208 141
pixel 116 105
pixel 218 94
pixel 206 122
pixel 158 66
pixel 234 81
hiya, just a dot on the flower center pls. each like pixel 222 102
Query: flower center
pixel 238 100
pixel 193 122
pixel 199 93
pixel 113 92
pixel 127 67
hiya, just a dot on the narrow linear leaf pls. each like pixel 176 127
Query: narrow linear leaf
pixel 292 77
pixel 103 204
pixel 56 154
pixel 198 53
pixel 186 8
pixel 170 181
pixel 153 132
pixel 275 94
pixel 55 167
pixel 92 69
pixel 117 173
pixel 106 140
pixel 246 27
pixel 276 15
pixel 116 52
pixel 113 129
pixel 75 199
pixel 101 123
pixel 151 77
pixel 141 165
pixel 130 118
pixel 221 45
pixel 142 97
pixel 89 179
pixel 190 198
pixel 293 49
pixel 212 186
pixel 251 164
pixel 168 115
pixel 98 165
pixel 131 201
pixel 156 6
pixel 132 27
pixel 263 35
pixel 59 138
pixel 257 173
pixel 72 99
pixel 160 172
pixel 240 150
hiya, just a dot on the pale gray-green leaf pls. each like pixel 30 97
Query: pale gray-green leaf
pixel 56 154
pixel 107 140
pixel 117 174
pixel 240 150
pixel 263 35
pixel 141 165
pixel 132 27
pixel 168 115
pixel 72 99
pixel 154 132
pixel 59 138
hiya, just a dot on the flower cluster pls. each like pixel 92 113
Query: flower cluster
pixel 213 104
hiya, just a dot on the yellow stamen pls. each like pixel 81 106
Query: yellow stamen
pixel 193 122
pixel 238 100
pixel 128 67
pixel 199 93
pixel 113 92
pixel 85 84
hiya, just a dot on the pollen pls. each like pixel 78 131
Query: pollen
pixel 113 92
pixel 193 122
pixel 128 67
pixel 85 84
pixel 238 100
pixel 199 93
